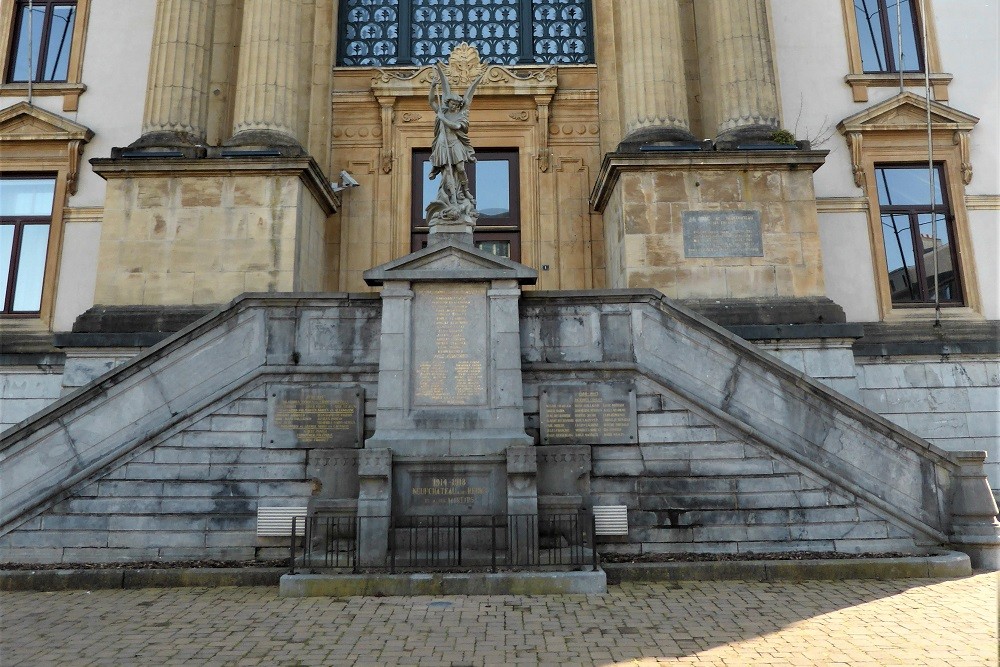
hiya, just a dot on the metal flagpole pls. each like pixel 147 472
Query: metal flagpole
pixel 930 166
pixel 899 41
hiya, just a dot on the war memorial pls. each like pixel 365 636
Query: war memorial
pixel 453 405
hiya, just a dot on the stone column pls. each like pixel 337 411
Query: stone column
pixel 267 84
pixel 652 82
pixel 735 44
pixel 176 112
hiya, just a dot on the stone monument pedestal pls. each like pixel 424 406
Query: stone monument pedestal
pixel 449 430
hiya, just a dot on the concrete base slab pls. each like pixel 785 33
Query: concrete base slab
pixel 938 566
pixel 477 583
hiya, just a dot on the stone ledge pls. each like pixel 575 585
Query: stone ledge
pixel 103 579
pixel 887 339
pixel 946 565
pixel 500 583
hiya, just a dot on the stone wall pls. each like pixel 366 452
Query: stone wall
pixel 645 201
pixel 953 401
pixel 25 391
pixel 206 231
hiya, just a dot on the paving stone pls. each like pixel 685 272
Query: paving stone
pixel 916 623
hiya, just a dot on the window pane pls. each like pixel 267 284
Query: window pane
pixel 911 58
pixel 936 244
pixel 6 246
pixel 493 188
pixel 498 248
pixel 903 281
pixel 869 19
pixel 30 268
pixel 37 21
pixel 60 37
pixel 26 196
pixel 907 186
pixel 430 187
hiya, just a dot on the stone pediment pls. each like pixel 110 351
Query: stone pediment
pixel 26 122
pixel 907 111
pixel 450 261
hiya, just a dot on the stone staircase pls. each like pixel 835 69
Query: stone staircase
pixel 186 420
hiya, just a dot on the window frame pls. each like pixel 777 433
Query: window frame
pixel 860 81
pixel 53 148
pixel 70 89
pixel 511 231
pixel 912 212
pixel 19 222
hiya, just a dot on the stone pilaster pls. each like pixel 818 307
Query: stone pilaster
pixel 267 86
pixel 741 93
pixel 652 82
pixel 176 113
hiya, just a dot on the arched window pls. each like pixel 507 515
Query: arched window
pixel 506 32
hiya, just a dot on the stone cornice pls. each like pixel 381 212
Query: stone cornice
pixel 615 163
pixel 305 167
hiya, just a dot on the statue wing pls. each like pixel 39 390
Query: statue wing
pixel 472 90
pixel 445 85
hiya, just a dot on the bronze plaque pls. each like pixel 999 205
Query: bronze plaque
pixel 315 416
pixel 722 234
pixel 590 414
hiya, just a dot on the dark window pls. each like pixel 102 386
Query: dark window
pixel 913 243
pixel 41 41
pixel 880 25
pixel 493 178
pixel 507 32
pixel 25 218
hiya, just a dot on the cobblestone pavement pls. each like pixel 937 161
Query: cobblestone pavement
pixel 849 623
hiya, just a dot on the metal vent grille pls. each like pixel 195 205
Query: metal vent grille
pixel 611 519
pixel 277 521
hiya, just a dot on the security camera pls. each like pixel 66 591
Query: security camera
pixel 347 181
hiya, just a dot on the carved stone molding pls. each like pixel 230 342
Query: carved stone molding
pixel 901 121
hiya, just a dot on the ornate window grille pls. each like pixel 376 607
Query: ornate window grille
pixel 506 32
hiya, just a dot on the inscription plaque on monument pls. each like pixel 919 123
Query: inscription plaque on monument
pixel 722 234
pixel 590 414
pixel 450 345
pixel 315 416
pixel 448 488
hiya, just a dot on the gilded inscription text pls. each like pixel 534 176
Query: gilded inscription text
pixel 315 418
pixel 450 343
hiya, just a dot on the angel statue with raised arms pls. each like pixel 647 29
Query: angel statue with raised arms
pixel 450 152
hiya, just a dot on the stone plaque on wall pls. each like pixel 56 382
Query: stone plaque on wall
pixel 588 414
pixel 449 488
pixel 315 416
pixel 722 234
pixel 450 345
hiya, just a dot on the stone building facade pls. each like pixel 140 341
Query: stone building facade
pixel 771 178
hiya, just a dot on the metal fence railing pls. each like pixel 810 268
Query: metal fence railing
pixel 351 543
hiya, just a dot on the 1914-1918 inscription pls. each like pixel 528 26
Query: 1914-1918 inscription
pixel 315 416
pixel 450 345
pixel 602 413
pixel 444 488
pixel 722 234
